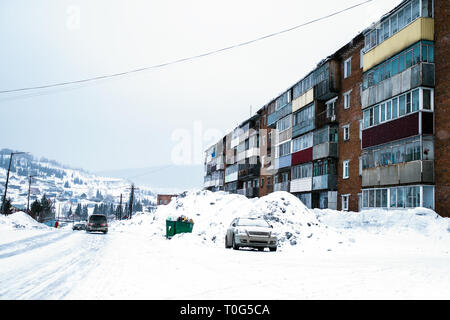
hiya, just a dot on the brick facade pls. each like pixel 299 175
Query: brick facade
pixel 350 149
pixel 442 107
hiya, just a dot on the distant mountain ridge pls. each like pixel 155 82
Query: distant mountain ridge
pixel 65 186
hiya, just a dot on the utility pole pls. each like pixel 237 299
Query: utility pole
pixel 130 213
pixel 7 179
pixel 29 189
pixel 119 214
pixel 130 205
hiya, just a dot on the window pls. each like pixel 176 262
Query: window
pixel 394 25
pixel 347 67
pixel 345 199
pixel 345 164
pixel 262 182
pixel 360 129
pixel 304 117
pixel 284 149
pixel 346 132
pixel 402 105
pixel 347 100
pixel 284 123
pixel 302 142
pixel 360 166
pixel 302 171
pixel 326 134
pixel 427 99
pixel 388 110
pixel 331 107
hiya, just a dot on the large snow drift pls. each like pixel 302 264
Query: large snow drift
pixel 296 225
pixel 19 220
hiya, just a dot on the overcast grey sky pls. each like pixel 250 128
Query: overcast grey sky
pixel 129 122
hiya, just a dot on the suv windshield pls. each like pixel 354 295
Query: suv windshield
pixel 253 223
pixel 97 219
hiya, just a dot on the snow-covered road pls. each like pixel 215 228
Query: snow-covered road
pixel 120 265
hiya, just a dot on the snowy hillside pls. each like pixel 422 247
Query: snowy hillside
pixel 64 186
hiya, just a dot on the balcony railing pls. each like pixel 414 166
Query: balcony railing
pixel 324 118
pixel 284 111
pixel 325 150
pixel 422 74
pixel 281 186
pixel 419 171
pixel 272 119
pixel 327 181
pixel 326 89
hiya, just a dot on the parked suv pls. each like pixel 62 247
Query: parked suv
pixel 251 232
pixel 97 222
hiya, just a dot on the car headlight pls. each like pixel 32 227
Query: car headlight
pixel 242 232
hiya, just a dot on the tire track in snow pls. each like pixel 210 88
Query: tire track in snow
pixel 31 243
pixel 54 275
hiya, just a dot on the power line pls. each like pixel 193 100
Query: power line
pixel 119 74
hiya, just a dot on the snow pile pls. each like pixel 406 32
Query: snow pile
pixel 421 220
pixel 213 213
pixel 19 220
pixel 295 225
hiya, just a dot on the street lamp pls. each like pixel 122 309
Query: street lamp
pixel 7 179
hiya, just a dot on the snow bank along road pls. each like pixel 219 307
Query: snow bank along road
pixel 339 259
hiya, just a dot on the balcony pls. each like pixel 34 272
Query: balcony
pixel 272 119
pixel 248 171
pixel 302 156
pixel 327 181
pixel 303 100
pixel 420 29
pixel 324 118
pixel 302 128
pixel 419 171
pixel 422 74
pixel 389 131
pixel 325 150
pixel 326 89
pixel 283 162
pixel 301 185
pixel 284 111
pixel 281 186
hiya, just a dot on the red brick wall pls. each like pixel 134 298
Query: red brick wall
pixel 161 198
pixel 442 107
pixel 351 149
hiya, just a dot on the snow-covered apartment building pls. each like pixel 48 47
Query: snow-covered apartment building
pixel 368 127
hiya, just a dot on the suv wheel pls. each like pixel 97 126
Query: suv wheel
pixel 235 247
pixel 226 243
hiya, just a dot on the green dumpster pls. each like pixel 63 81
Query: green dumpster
pixel 174 227
pixel 170 228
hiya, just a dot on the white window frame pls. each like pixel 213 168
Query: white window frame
pixel 345 164
pixel 347 100
pixel 349 62
pixel 347 197
pixel 347 126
